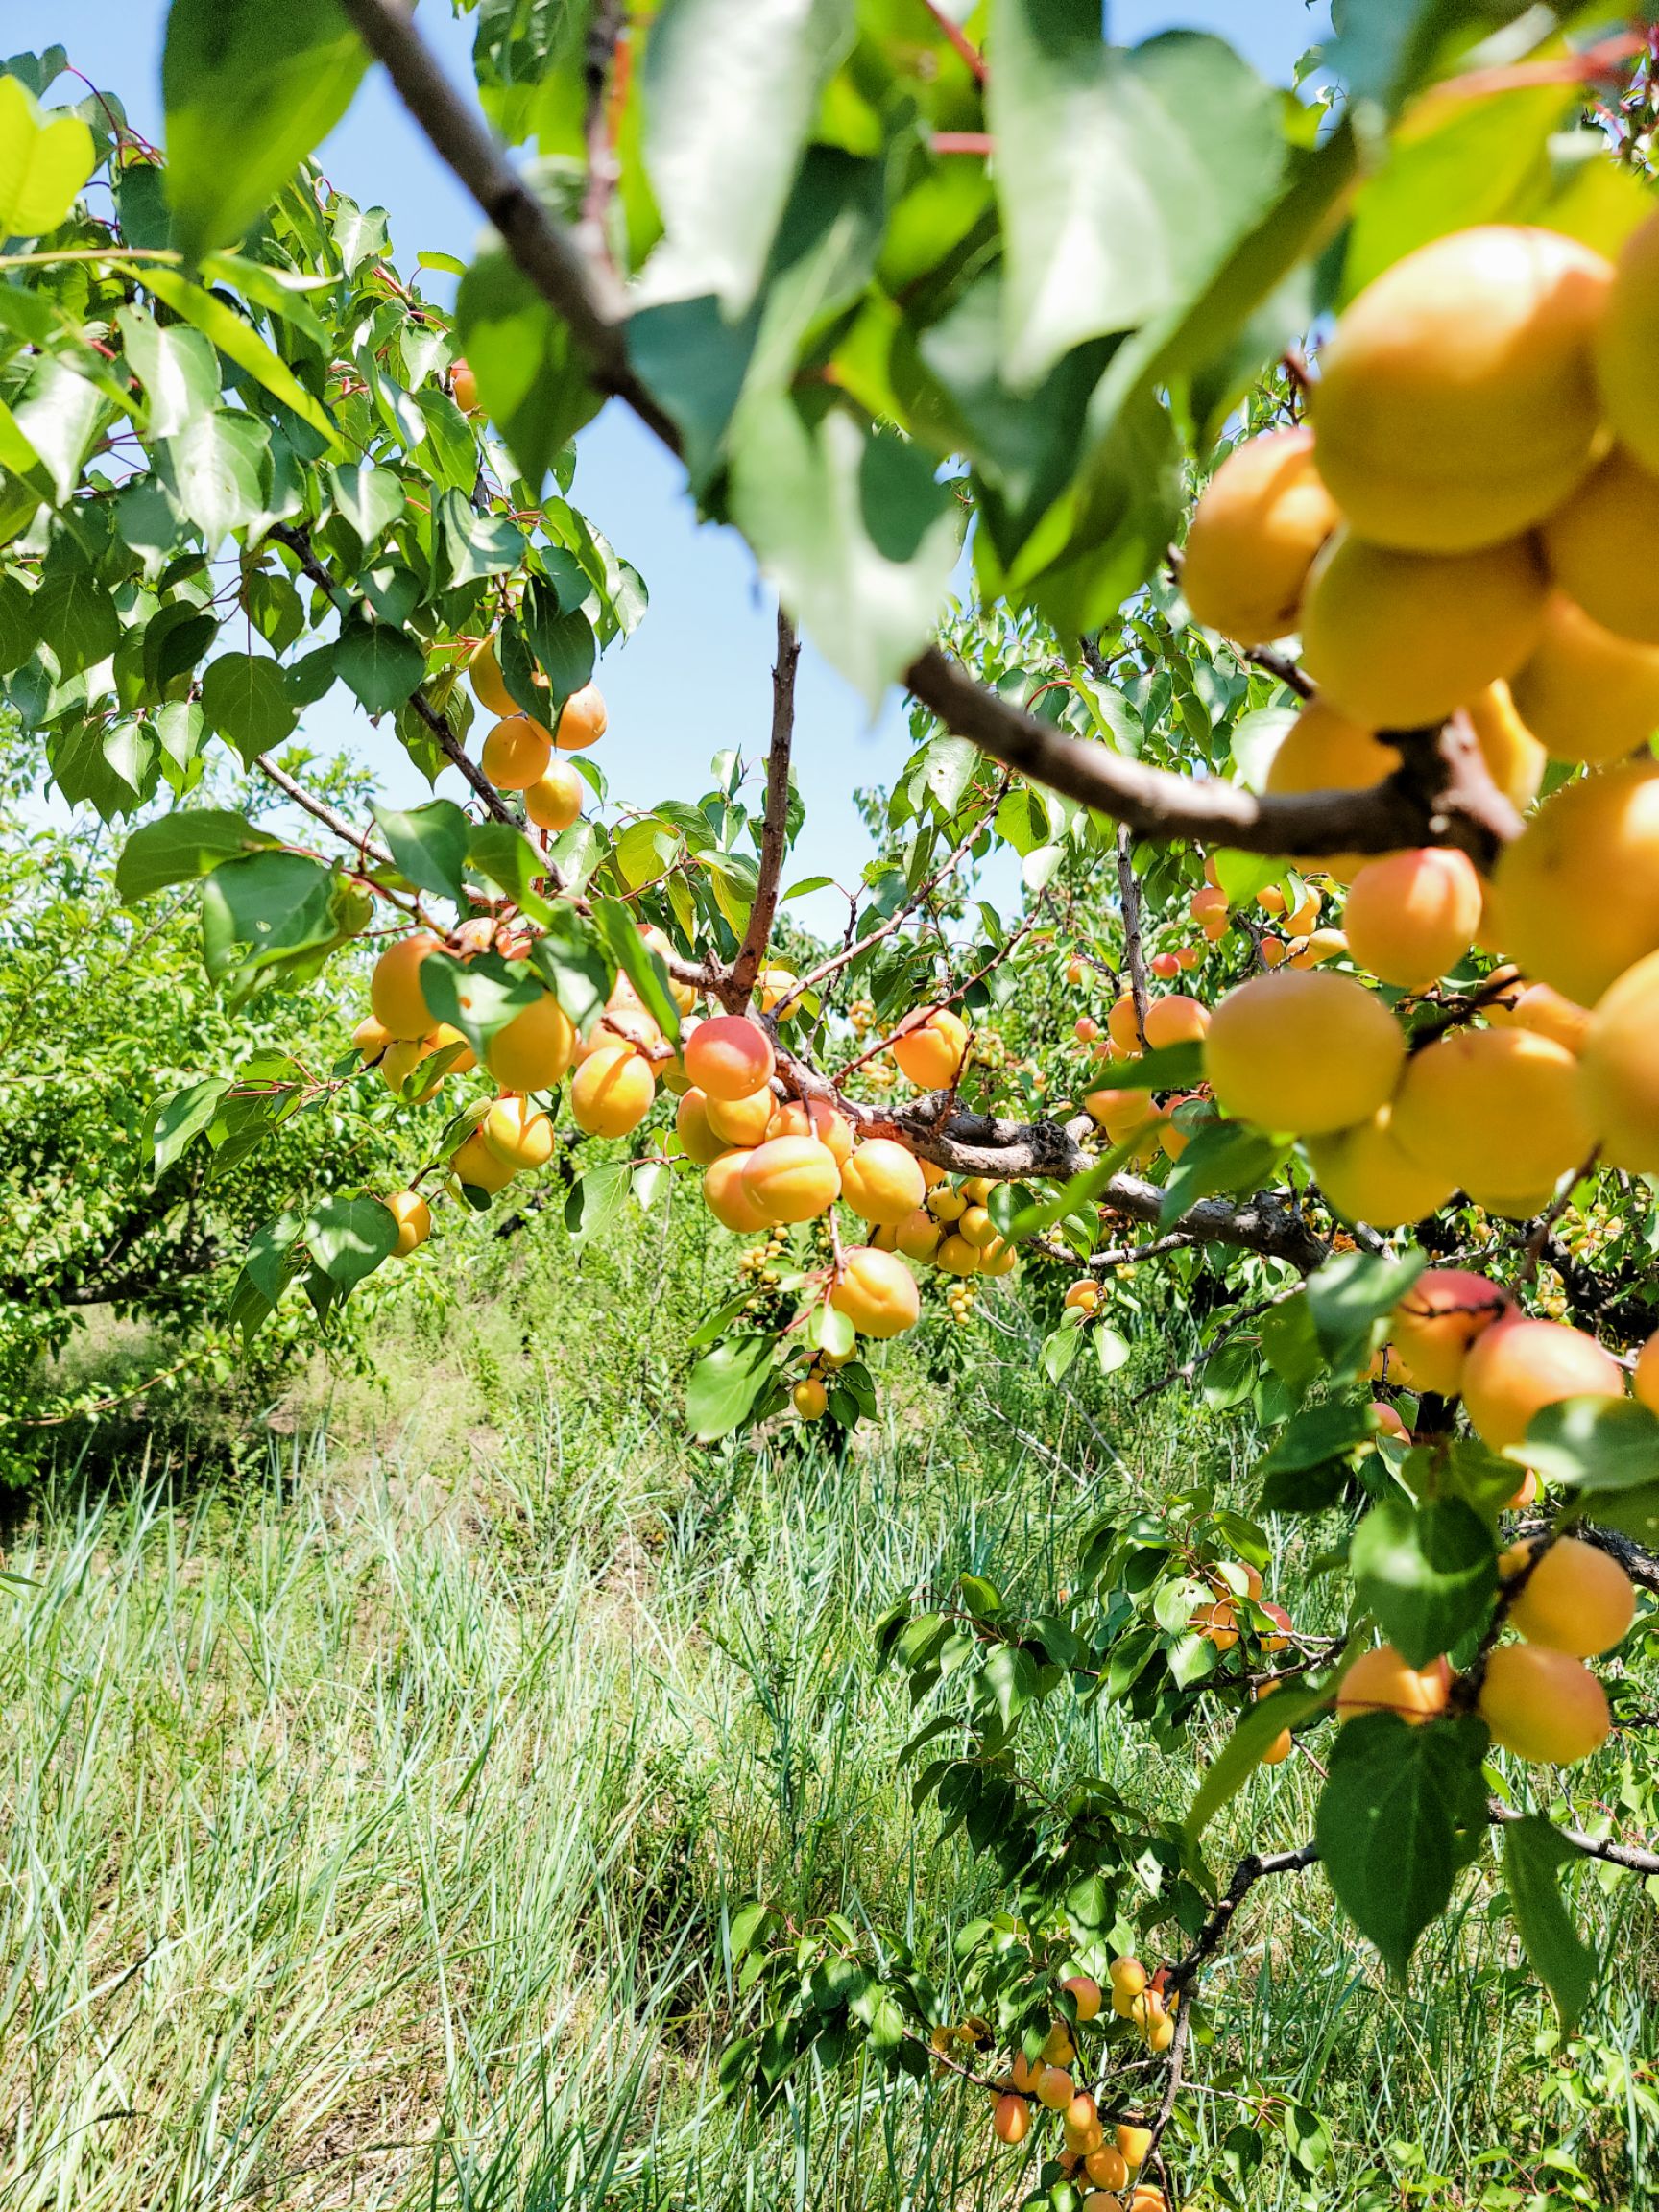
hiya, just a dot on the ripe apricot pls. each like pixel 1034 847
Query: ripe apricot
pixel 1277 1638
pixel 1217 1624
pixel 516 753
pixel 414 1218
pixel 1549 1013
pixel 1174 1019
pixel 1619 1070
pixel 1368 1177
pixel 1302 1051
pixel 1023 2074
pixel 611 1092
pixel 813 1118
pixel 1124 1026
pixel 1387 1421
pixel 1497 1108
pixel 475 1163
pixel 931 1049
pixel 877 1292
pixel 792 1178
pixel 1576 1600
pixel 554 800
pixel 1107 2168
pixel 882 1182
pixel 1411 916
pixel 1081 2121
pixel 1165 966
pixel 463 385
pixel 702 1143
pixel 809 1399
pixel 1602 547
pixel 1281 1747
pixel 533 1050
pixel 519 1133
pixel 1436 1322
pixel 370 1037
pixel 1085 1994
pixel 1319 944
pixel 1380 1681
pixel 1086 1029
pixel 1627 345
pixel 1011 2119
pixel 1456 401
pixel 1644 1383
pixel 1579 887
pixel 583 720
pixel 398 1062
pixel 1054 2088
pixel 1262 516
pixel 1128 1977
pixel 956 1256
pixel 729 1056
pixel 1545 1706
pixel 1084 1295
pixel 394 987
pixel 1325 751
pixel 1399 640
pixel 1209 904
pixel 742 1120
pixel 727 1197
pixel 1147 2199
pixel 489 687
pixel 1586 693
pixel 1133 2144
pixel 1520 1365
pixel 1159 2025
pixel 945 1202
pixel 1058 2048
pixel 918 1236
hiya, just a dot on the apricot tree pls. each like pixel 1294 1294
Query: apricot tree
pixel 1357 747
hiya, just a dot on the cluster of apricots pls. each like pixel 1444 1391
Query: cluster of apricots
pixel 1109 2164
pixel 1460 1336
pixel 1219 1622
pixel 521 754
pixel 1464 527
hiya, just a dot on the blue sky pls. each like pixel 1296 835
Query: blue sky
pixel 695 676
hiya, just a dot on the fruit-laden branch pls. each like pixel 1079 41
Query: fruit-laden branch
pixel 1410 807
pixel 775 825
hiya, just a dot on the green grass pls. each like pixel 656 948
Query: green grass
pixel 367 1831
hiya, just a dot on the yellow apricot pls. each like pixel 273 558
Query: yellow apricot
pixel 931 1048
pixel 1436 1324
pixel 1602 547
pixel 1456 401
pixel 1058 2048
pixel 813 1118
pixel 1084 1294
pixel 877 1292
pixel 1147 2199
pixel 742 1120
pixel 398 1062
pixel 1619 1070
pixel 726 1196
pixel 1367 1177
pixel 1587 694
pixel 414 1218
pixel 1011 2119
pixel 792 1178
pixel 1217 1624
pixel 1411 916
pixel 1133 2144
pixel 519 1133
pixel 1545 1706
pixel 809 1399
pixel 882 1182
pixel 1548 1013
pixel 1498 1108
pixel 1085 1994
pixel 998 1257
pixel 1579 887
pixel 516 753
pixel 532 1051
pixel 946 1203
pixel 1324 751
pixel 1108 2168
pixel 1626 346
pixel 1302 1051
pixel 1160 2028
pixel 475 1163
pixel 1400 640
pixel 464 386
pixel 611 1092
pixel 772 984
pixel 918 1236
pixel 554 800
pixel 1081 2116
pixel 1128 1977
pixel 1263 515
pixel 1054 2088
pixel 1283 1744
pixel 956 1256
pixel 1124 1026
pixel 977 1228
pixel 1174 1019
pixel 702 1144
pixel 370 1037
pixel 1519 1365
pixel 1380 1681
pixel 488 688
pixel 446 1037
pixel 1387 1422
pixel 728 1057
pixel 1023 2074
pixel 583 721
pixel 1576 1600
pixel 394 987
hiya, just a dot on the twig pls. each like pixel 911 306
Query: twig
pixel 598 64
pixel 1282 665
pixel 359 840
pixel 1134 957
pixel 774 823
pixel 959 39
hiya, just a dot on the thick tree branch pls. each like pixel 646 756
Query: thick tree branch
pixel 774 823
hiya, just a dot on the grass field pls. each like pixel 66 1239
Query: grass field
pixel 369 1822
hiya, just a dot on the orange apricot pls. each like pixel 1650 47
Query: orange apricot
pixel 475 1163
pixel 726 1196
pixel 582 721
pixel 1434 1325
pixel 488 688
pixel 877 1292
pixel 1543 1705
pixel 394 987
pixel 1602 547
pixel 918 1236
pixel 882 1182
pixel 1411 916
pixel 1495 1108
pixel 1085 1994
pixel 554 800
pixel 740 1120
pixel 611 1092
pixel 1380 1681
pixel 813 1118
pixel 1646 1381
pixel 703 1144
pixel 1579 887
pixel 414 1218
pixel 1519 1366
pixel 1262 516
pixel 370 1037
pixel 1586 693
pixel 1133 2144
pixel 1368 1176
pixel 1174 1019
pixel 519 1133
pixel 1302 1051
pixel 1576 1598
pixel 532 1051
pixel 516 753
pixel 729 1056
pixel 1011 2119
pixel 1627 345
pixel 811 1401
pixel 1055 2089
pixel 931 1048
pixel 792 1178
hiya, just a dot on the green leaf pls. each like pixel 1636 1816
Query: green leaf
pixel 1123 177
pixel 562 640
pixel 175 1121
pixel 250 90
pixel 57 418
pixel 477 997
pixel 176 368
pixel 724 1388
pixel 1222 1156
pixel 507 856
pixel 721 194
pixel 1291 1343
pixel 1307 1469
pixel 244 700
pixel 44 161
pixel 349 1238
pixel 569 959
pixel 1176 1067
pixel 595 1198
pixel 370 498
pixel 218 469
pixel 1080 1191
pixel 852 526
pixel 381 663
pixel 1383 50
pixel 1060 1346
pixel 181 847
pixel 1351 1294
pixel 74 615
pixel 1598 1444
pixel 239 342
pixel 430 845
pixel 620 936
pixel 263 907
pixel 1534 1856
pixel 1391 1822
pixel 1429 1572
pixel 1242 1755
pixel 532 381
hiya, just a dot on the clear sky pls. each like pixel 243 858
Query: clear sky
pixel 695 676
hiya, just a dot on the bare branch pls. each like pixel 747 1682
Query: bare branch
pixel 1134 956
pixel 1279 665
pixel 598 68
pixel 361 843
pixel 775 825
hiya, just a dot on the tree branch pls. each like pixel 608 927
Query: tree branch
pixel 1134 956
pixel 361 843
pixel 598 67
pixel 775 825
